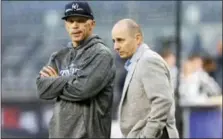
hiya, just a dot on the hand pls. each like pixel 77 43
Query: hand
pixel 48 72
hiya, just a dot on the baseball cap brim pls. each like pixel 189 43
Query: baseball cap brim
pixel 79 15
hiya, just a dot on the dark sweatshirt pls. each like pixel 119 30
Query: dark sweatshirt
pixel 83 90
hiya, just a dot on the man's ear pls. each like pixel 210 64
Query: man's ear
pixel 93 23
pixel 138 38
pixel 65 25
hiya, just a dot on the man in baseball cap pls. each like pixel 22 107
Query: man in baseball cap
pixel 81 79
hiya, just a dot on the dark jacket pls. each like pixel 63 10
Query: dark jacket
pixel 83 90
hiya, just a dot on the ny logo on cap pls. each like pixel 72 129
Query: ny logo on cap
pixel 75 7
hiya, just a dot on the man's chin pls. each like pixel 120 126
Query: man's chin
pixel 77 39
pixel 123 56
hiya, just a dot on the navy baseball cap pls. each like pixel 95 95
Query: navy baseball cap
pixel 78 8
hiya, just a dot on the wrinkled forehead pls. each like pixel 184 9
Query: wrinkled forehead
pixel 120 31
pixel 77 18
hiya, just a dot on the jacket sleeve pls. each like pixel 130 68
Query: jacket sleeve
pixel 155 78
pixel 50 87
pixel 208 84
pixel 91 79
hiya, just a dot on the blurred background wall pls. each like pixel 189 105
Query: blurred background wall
pixel 32 30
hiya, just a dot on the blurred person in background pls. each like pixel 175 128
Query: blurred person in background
pixel 170 59
pixel 81 79
pixel 195 82
pixel 147 107
pixel 209 65
pixel 219 61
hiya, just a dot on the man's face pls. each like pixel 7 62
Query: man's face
pixel 124 43
pixel 79 28
pixel 171 60
pixel 219 48
pixel 198 63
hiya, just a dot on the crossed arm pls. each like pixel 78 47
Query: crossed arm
pixel 91 80
pixel 49 83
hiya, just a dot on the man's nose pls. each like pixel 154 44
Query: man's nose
pixel 116 46
pixel 74 25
